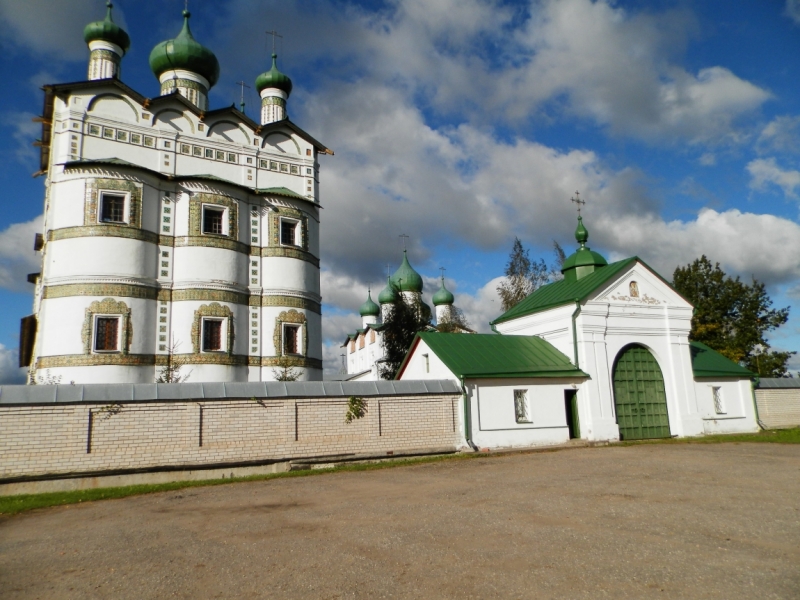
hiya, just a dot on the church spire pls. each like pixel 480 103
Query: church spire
pixel 108 43
pixel 583 261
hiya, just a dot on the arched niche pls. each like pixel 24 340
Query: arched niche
pixel 173 120
pixel 113 106
pixel 280 142
pixel 229 131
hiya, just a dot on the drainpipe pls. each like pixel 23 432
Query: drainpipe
pixel 753 385
pixel 467 417
pixel 494 329
pixel 575 331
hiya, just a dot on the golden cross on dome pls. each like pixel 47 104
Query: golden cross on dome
pixel 577 200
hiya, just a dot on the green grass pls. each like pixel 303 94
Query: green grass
pixel 10 505
pixel 775 436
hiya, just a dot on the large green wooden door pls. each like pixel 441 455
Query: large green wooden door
pixel 639 397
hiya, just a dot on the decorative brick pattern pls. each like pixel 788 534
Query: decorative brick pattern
pixel 291 302
pixel 212 310
pixel 196 216
pixel 52 440
pixel 93 360
pixel 108 306
pixel 121 290
pixel 294 317
pixel 106 230
pixel 93 188
pixel 293 361
pixel 204 295
pixel 289 252
pixel 210 240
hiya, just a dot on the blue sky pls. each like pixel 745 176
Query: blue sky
pixel 463 123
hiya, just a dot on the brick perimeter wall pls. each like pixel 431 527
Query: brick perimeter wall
pixel 779 408
pixel 95 438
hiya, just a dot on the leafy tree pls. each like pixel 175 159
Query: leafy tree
pixel 733 317
pixel 524 276
pixel 453 321
pixel 403 321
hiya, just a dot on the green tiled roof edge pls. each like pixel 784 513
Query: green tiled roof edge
pixel 710 363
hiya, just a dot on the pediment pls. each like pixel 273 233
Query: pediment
pixel 640 286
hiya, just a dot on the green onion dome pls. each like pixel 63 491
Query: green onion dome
pixel 583 257
pixel 443 296
pixel 274 79
pixel 185 53
pixel 406 279
pixel 388 294
pixel 369 308
pixel 107 31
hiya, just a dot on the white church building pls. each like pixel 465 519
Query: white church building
pixel 364 348
pixel 603 354
pixel 173 232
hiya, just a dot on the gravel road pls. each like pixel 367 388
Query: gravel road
pixel 650 521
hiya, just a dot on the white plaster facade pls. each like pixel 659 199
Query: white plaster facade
pixel 593 333
pixel 171 162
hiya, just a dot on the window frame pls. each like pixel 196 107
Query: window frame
pixel 298 232
pixel 522 417
pixel 223 335
pixel 126 207
pixel 298 329
pixel 95 331
pixel 718 400
pixel 225 226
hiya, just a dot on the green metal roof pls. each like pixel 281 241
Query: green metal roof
pixel 710 363
pixel 281 191
pixel 406 279
pixel 487 355
pixel 443 296
pixel 564 292
pixel 369 308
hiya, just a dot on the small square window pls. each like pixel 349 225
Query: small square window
pixel 197 151
pixel 112 207
pixel 213 220
pixel 308 171
pixel 149 141
pixel 255 141
pixel 164 274
pixel 212 335
pixel 201 127
pixel 291 338
pixel 719 405
pixel 209 153
pixel 289 233
pixel 122 136
pixel 108 133
pixel 264 164
pixel 273 165
pixel 231 158
pixel 167 144
pixel 106 334
pixel 186 149
pixel 294 170
pixel 220 155
pixel 94 130
pixel 284 168
pixel 308 151
pixel 521 406
pixel 145 115
pixel 136 138
pixel 249 161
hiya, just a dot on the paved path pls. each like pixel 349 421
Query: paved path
pixel 655 521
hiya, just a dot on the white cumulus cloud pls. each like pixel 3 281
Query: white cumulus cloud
pixel 17 257
pixel 765 171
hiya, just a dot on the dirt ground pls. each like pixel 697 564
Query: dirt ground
pixel 653 521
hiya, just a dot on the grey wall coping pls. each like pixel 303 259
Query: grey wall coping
pixel 135 392
pixel 778 382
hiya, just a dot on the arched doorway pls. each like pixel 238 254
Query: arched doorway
pixel 639 397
